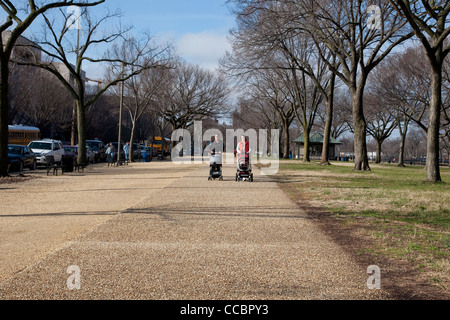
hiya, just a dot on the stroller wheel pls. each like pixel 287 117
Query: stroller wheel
pixel 209 178
pixel 251 177
pixel 221 179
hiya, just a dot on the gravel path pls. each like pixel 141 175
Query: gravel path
pixel 178 236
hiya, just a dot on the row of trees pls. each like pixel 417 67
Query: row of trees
pixel 293 53
pixel 313 62
pixel 155 102
pixel 415 147
pixel 156 88
pixel 398 97
pixel 19 17
pixel 172 98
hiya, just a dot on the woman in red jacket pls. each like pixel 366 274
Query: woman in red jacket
pixel 243 151
pixel 243 146
pixel 244 169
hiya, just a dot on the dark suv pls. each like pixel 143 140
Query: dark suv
pixel 99 149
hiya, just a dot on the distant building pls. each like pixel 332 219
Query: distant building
pixel 64 71
pixel 23 79
pixel 315 146
pixel 25 50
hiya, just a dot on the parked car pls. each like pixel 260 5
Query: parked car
pixel 47 151
pixel 90 155
pixel 73 151
pixel 20 157
pixel 99 148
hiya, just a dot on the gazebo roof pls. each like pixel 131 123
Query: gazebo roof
pixel 315 137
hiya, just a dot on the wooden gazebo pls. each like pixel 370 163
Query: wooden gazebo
pixel 315 146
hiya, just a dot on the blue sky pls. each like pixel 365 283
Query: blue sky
pixel 177 17
pixel 198 28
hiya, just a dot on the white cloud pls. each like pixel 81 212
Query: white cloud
pixel 204 49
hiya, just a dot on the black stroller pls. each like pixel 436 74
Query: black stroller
pixel 244 169
pixel 215 167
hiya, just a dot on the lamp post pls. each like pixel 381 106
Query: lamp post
pixel 74 22
pixel 120 117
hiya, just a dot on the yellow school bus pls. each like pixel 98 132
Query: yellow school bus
pixel 22 135
pixel 163 144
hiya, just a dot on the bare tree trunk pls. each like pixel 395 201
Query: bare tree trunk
pixel 401 156
pixel 286 138
pixel 430 26
pixel 403 133
pixel 31 14
pixel 328 123
pixel 81 119
pixel 433 170
pixel 4 121
pixel 378 158
pixel 306 151
pixel 133 129
pixel 360 127
pixel 74 125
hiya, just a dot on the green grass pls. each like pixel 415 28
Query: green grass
pixel 408 217
pixel 397 185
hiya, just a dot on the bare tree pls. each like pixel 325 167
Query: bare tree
pixel 309 83
pixel 416 144
pixel 272 88
pixel 341 114
pixel 101 117
pixel 21 81
pixel 253 112
pixel 264 42
pixel 381 122
pixel 57 45
pixel 429 20
pixel 19 20
pixel 401 83
pixel 143 97
pixel 142 90
pixel 445 118
pixel 308 98
pixel 341 28
pixel 193 94
pixel 345 28
pixel 33 104
pixel 299 50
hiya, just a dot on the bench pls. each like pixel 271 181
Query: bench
pixel 55 167
pixel 79 167
pixel 122 162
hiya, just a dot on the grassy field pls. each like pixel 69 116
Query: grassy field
pixel 407 218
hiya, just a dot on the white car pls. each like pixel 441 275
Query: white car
pixel 90 155
pixel 47 151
